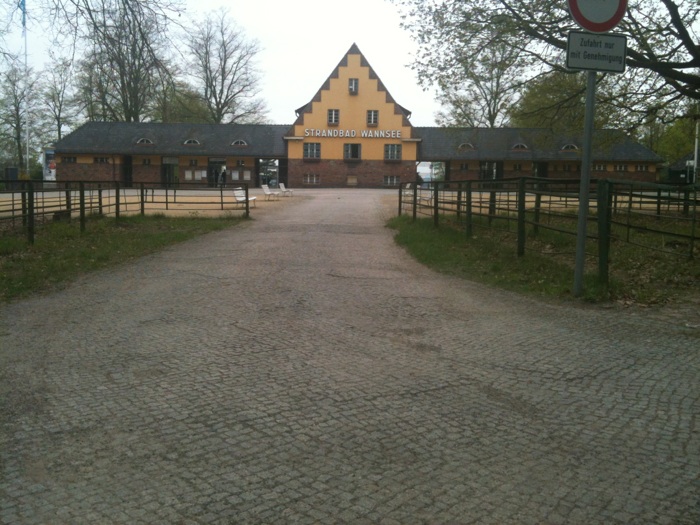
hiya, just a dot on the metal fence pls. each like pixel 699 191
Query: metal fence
pixel 655 217
pixel 28 204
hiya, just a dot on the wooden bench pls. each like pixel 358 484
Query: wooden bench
pixel 239 195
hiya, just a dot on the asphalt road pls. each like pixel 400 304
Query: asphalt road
pixel 301 368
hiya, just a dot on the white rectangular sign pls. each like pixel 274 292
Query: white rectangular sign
pixel 596 52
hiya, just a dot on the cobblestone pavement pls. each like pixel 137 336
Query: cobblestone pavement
pixel 302 368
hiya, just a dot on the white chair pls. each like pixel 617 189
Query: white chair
pixel 239 195
pixel 286 192
pixel 269 194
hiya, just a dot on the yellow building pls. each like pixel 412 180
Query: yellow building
pixel 352 133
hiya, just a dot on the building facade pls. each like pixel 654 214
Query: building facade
pixel 351 134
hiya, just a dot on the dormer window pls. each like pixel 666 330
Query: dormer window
pixel 354 86
pixel 144 140
pixel 239 143
pixel 520 147
pixel 570 147
pixel 466 146
pixel 191 142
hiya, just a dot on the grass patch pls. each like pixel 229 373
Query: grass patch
pixel 636 275
pixel 61 252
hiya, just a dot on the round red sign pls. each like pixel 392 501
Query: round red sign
pixel 597 16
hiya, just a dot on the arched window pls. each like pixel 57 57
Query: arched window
pixel 144 140
pixel 239 142
pixel 192 142
pixel 570 147
pixel 466 146
pixel 520 147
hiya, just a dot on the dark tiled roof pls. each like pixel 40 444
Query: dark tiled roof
pixel 169 139
pixel 609 145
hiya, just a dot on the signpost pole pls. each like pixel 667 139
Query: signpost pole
pixel 584 190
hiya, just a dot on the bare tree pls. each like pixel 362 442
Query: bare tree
pixel 224 71
pixel 16 86
pixel 56 94
pixel 122 67
pixel 479 89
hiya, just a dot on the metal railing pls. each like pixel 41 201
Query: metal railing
pixel 656 217
pixel 28 204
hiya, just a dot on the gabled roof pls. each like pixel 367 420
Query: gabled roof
pixel 439 144
pixel 354 50
pixel 125 138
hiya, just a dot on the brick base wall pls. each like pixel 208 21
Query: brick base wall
pixel 88 172
pixel 340 174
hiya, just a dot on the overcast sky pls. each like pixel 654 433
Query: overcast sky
pixel 304 40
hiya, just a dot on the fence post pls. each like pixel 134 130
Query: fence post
pixel 459 201
pixel 415 201
pixel 604 223
pixel 538 208
pixel 23 189
pixel 247 202
pixel 694 222
pixel 521 217
pixel 30 212
pixel 492 206
pixel 436 218
pixel 400 197
pixel 143 199
pixel 117 202
pixel 468 211
pixel 81 188
pixel 69 203
pixel 99 199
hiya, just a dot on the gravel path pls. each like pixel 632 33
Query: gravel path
pixel 301 368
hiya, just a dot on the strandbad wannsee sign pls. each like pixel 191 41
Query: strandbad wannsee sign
pixel 353 133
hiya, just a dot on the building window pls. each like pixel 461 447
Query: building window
pixel 239 143
pixel 312 178
pixel 599 167
pixel 354 86
pixel 101 160
pixel 466 146
pixel 520 147
pixel 333 117
pixel 146 162
pixel 570 147
pixel 568 167
pixel 641 167
pixel 312 150
pixel 391 180
pixel 464 166
pixel 352 151
pixel 193 162
pixel 517 167
pixel 372 117
pixel 240 163
pixel 621 167
pixel 192 142
pixel 392 152
pixel 144 141
pixel 69 160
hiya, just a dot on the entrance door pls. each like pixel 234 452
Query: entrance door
pixel 169 175
pixel 128 171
